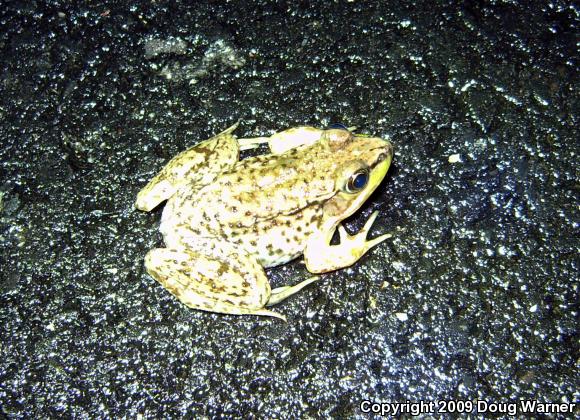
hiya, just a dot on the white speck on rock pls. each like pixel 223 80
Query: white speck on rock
pixel 454 158
pixel 402 316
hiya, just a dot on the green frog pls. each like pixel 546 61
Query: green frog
pixel 226 219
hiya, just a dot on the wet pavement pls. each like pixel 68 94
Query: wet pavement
pixel 474 299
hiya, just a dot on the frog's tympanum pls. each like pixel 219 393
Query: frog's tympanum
pixel 226 219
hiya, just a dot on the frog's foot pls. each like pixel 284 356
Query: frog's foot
pixel 281 293
pixel 251 143
pixel 284 140
pixel 198 164
pixel 321 257
pixel 237 287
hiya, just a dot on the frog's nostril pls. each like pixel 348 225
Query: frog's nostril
pixel 389 150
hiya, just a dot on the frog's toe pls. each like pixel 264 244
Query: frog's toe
pixel 265 312
pixel 362 235
pixel 281 293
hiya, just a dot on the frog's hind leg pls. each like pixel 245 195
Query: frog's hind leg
pixel 284 140
pixel 252 143
pixel 236 285
pixel 198 164
pixel 281 293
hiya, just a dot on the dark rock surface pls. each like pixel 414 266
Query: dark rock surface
pixel 475 297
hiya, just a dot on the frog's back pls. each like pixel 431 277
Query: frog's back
pixel 267 204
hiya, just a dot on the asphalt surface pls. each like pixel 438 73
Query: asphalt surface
pixel 475 298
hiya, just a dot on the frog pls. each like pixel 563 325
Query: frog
pixel 227 219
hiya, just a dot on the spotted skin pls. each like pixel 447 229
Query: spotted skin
pixel 225 219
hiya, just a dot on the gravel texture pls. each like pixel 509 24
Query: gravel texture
pixel 474 298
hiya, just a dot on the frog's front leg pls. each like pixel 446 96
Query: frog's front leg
pixel 228 283
pixel 321 257
pixel 198 164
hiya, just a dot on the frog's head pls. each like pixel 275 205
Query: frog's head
pixel 361 164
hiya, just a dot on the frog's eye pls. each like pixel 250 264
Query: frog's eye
pixel 357 181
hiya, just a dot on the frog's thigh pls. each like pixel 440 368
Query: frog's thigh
pixel 198 164
pixel 209 284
